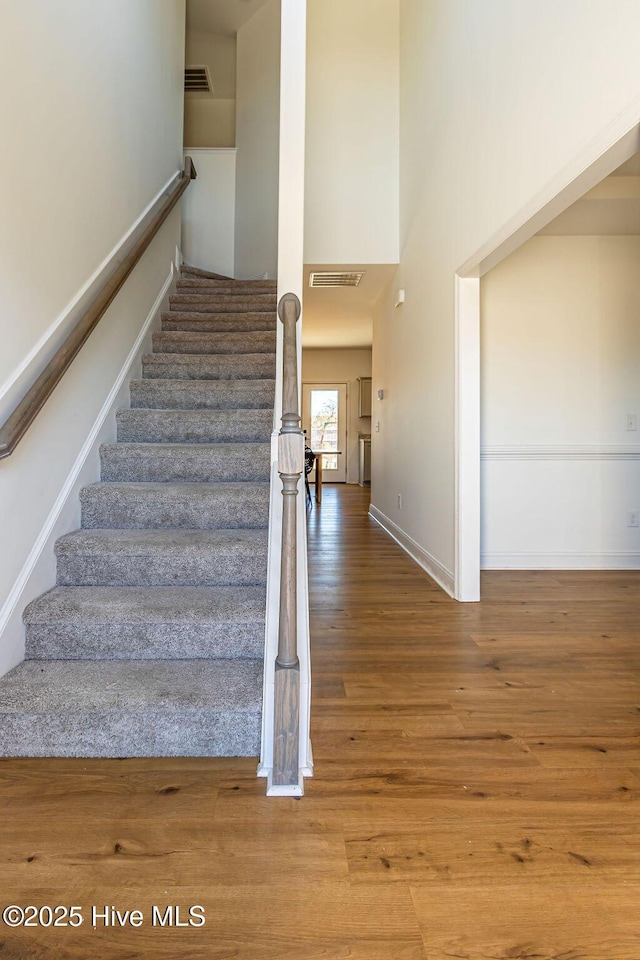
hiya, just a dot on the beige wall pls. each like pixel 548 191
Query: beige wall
pixel 208 211
pixel 89 141
pixel 257 141
pixel 496 100
pixel 352 149
pixel 560 373
pixel 210 121
pixel 342 366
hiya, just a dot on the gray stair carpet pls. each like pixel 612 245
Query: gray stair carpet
pixel 151 644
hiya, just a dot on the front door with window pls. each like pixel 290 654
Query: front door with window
pixel 324 417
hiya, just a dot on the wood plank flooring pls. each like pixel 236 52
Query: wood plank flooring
pixel 476 796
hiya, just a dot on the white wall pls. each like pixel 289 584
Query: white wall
pixel 210 121
pixel 560 373
pixel 90 139
pixel 257 141
pixel 352 150
pixel 208 212
pixel 342 366
pixel 497 99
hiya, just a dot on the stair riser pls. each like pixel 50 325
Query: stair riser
pixel 193 426
pixel 200 304
pixel 215 344
pixel 218 323
pixel 138 508
pixel 252 463
pixel 211 289
pixel 117 734
pixel 169 366
pixel 113 570
pixel 205 395
pixel 144 641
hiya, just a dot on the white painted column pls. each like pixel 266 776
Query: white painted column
pixel 467 441
pixel 290 280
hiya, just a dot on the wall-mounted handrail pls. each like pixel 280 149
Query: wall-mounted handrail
pixel 16 425
pixel 290 467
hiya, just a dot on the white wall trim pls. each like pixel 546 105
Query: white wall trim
pixel 109 261
pixel 600 157
pixel 188 150
pixel 48 532
pixel 559 451
pixel 602 560
pixel 436 570
pixel 467 440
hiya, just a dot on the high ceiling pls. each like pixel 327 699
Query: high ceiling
pixel 342 317
pixel 221 16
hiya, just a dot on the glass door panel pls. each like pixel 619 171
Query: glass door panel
pixel 324 419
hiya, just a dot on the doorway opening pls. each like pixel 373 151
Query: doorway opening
pixel 324 418
pixel 599 160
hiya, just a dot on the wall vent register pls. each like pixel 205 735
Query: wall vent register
pixel 335 279
pixel 197 80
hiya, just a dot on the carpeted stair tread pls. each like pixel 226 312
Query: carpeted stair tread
pixel 195 506
pixel 115 557
pixel 203 366
pixel 172 462
pixel 186 270
pixel 194 426
pixel 189 341
pixel 202 394
pixel 214 288
pixel 151 644
pixel 194 275
pixel 210 303
pixel 146 623
pixel 131 708
pixel 218 322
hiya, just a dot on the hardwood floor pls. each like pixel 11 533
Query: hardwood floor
pixel 476 792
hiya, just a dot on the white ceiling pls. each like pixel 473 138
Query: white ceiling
pixel 221 16
pixel 342 317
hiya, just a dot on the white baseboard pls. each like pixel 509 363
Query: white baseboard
pixel 38 572
pixel 601 560
pixel 436 570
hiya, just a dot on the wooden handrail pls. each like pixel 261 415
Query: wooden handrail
pixel 290 469
pixel 23 415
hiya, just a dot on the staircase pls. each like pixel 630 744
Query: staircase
pixel 151 643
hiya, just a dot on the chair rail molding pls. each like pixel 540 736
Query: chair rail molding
pixel 562 451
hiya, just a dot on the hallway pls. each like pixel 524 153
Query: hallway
pixel 476 788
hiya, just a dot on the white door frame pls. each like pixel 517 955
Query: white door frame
pixel 343 417
pixel 616 144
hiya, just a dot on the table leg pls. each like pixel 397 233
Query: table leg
pixel 319 479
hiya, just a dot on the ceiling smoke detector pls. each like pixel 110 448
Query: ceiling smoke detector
pixel 197 80
pixel 335 279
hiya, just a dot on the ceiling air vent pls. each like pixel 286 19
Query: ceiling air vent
pixel 197 80
pixel 335 279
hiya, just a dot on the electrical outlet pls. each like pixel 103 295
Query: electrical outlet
pixel 400 502
pixel 632 421
pixel 633 518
